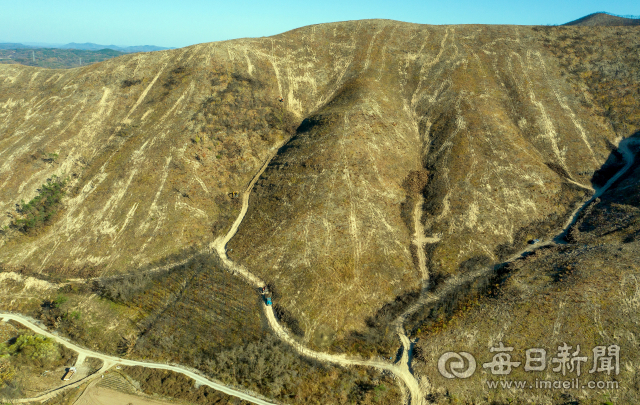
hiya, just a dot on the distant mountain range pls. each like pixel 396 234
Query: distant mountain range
pixel 600 18
pixel 87 46
pixel 11 45
pixel 55 58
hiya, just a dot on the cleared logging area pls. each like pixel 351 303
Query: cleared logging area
pixel 187 313
pixel 200 315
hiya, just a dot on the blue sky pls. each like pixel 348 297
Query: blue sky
pixel 180 23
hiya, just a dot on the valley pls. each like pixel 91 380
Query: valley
pixel 400 188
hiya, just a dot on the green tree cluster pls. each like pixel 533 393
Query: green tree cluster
pixel 33 347
pixel 42 207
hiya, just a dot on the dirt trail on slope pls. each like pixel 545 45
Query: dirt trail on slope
pixel 629 156
pixel 219 245
pixel 401 369
pixel 419 240
pixel 451 284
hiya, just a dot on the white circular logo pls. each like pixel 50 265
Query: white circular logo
pixel 456 365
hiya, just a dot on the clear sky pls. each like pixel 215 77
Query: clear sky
pixel 180 23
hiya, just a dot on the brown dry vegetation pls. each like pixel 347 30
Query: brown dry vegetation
pixel 195 144
pixel 483 110
pixel 500 129
pixel 584 293
pixel 601 63
pixel 198 315
pixel 161 139
pixel 603 19
pixel 578 295
pixel 358 387
pixel 177 386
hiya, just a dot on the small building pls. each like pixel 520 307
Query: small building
pixel 70 372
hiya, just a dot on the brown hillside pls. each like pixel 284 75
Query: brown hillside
pixel 496 127
pixel 585 293
pixel 483 109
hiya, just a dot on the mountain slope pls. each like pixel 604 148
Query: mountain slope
pixel 481 111
pixel 151 147
pixel 375 116
pixel 584 294
pixel 604 19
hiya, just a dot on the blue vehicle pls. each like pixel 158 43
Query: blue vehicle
pixel 268 300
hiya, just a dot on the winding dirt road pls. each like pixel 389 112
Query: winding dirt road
pixel 400 369
pixel 451 284
pixel 110 361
